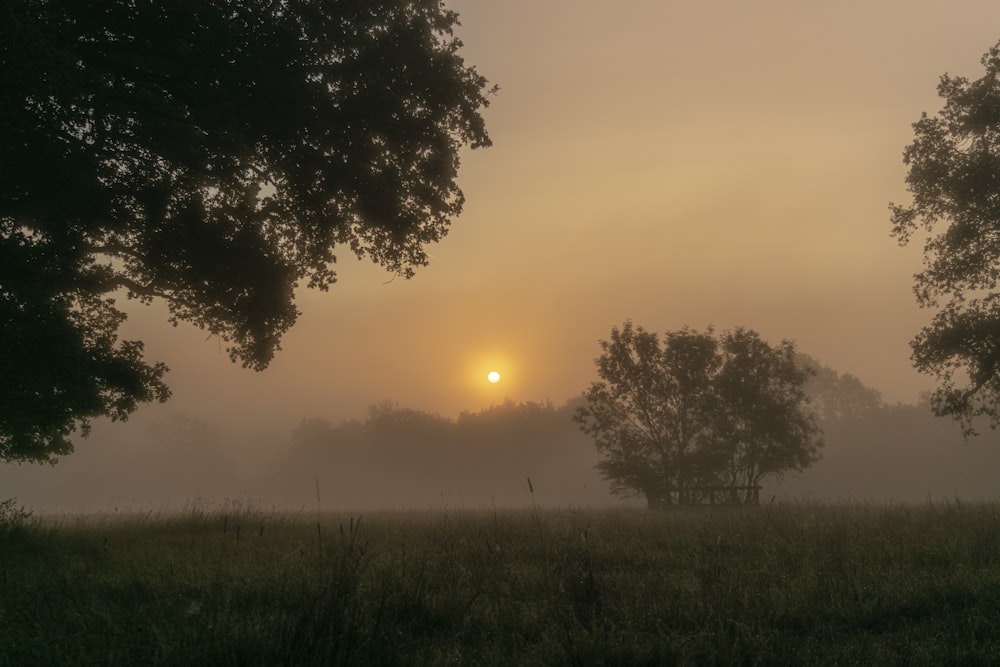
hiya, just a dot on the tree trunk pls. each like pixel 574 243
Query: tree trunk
pixel 657 500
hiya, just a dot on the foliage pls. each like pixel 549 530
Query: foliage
pixel 403 457
pixel 804 585
pixel 696 412
pixel 213 155
pixel 762 423
pixel 954 178
pixel 835 396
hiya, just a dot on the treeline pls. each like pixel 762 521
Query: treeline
pixel 899 453
pixel 399 457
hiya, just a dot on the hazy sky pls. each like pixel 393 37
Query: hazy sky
pixel 677 163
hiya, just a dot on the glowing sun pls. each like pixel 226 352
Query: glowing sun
pixel 493 377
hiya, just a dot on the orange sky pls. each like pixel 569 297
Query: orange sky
pixel 671 162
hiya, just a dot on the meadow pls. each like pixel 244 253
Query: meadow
pixel 771 585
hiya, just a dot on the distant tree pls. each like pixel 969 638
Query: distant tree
pixel 313 434
pixel 954 178
pixel 837 396
pixel 214 155
pixel 696 410
pixel 411 457
pixel 396 428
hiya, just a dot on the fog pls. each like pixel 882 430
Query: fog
pixel 675 163
pixel 511 455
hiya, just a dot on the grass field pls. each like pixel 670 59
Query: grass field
pixel 775 585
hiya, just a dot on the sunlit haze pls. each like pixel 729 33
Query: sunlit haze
pixel 676 163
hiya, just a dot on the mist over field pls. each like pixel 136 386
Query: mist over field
pixel 398 458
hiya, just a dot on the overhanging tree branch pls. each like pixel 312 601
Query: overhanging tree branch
pixel 141 132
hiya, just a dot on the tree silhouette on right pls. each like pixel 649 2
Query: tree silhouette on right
pixel 954 180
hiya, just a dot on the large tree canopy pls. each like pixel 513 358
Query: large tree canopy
pixel 214 154
pixel 681 418
pixel 954 177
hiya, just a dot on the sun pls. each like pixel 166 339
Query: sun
pixel 493 377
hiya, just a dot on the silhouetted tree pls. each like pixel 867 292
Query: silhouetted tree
pixel 954 177
pixel 674 420
pixel 649 408
pixel 763 424
pixel 213 154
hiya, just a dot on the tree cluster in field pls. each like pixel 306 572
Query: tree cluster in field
pixel 404 456
pixel 697 417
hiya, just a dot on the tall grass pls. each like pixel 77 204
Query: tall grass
pixel 235 585
pixel 14 518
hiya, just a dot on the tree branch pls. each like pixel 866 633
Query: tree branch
pixel 135 287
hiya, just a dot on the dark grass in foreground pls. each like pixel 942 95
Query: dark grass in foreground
pixel 771 585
